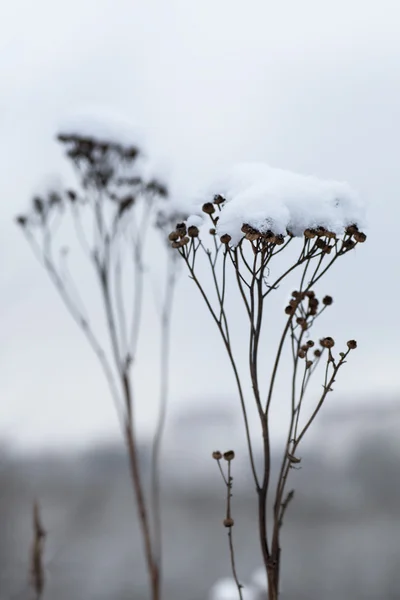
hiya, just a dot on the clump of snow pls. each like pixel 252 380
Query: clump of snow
pixel 267 198
pixel 103 126
pixel 226 589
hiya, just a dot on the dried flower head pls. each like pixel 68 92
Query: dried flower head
pixel 317 353
pixel 181 229
pixel 302 353
pixel 212 231
pixel 310 233
pixel 218 199
pixel 217 455
pixel 327 342
pixel 226 238
pixel 327 300
pixel 352 344
pixel 173 236
pixel 208 208
pixel 360 237
pixel 310 343
pixel 193 231
pixel 352 229
pixel 229 455
pixel 309 364
pixel 290 310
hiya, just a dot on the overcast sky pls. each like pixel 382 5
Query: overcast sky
pixel 307 85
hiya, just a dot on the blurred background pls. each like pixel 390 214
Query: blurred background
pixel 311 87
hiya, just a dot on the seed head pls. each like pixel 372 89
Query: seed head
pixel 229 455
pixel 218 199
pixel 208 208
pixel 349 244
pixel 301 353
pixel 320 243
pixel 184 241
pixel 352 344
pixel 327 342
pixel 226 238
pixel 193 231
pixel 173 236
pixel 310 343
pixel 317 353
pixel 309 364
pixel 360 237
pixel 351 229
pixel 327 300
pixel 181 229
pixel 310 233
pixel 289 310
pixel 228 522
pixel 217 455
pixel 212 231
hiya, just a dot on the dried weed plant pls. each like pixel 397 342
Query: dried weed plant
pixel 251 262
pixel 111 212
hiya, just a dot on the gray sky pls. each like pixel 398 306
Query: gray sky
pixel 309 86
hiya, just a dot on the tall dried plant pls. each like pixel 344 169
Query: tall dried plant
pixel 111 210
pixel 252 263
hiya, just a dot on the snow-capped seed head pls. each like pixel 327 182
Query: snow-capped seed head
pixel 352 344
pixel 360 237
pixel 320 231
pixel 352 229
pixel 208 208
pixel 327 300
pixel 173 236
pixel 217 455
pixel 181 229
pixel 317 353
pixel 310 233
pixel 229 455
pixel 226 238
pixel 193 231
pixel 218 199
pixel 279 240
pixel 228 522
pixel 327 342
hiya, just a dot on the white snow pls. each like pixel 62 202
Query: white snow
pixel 103 126
pixel 268 198
pixel 226 589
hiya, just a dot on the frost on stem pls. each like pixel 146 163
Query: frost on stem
pixel 244 220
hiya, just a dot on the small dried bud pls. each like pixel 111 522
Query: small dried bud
pixel 352 229
pixel 352 344
pixel 212 231
pixel 349 244
pixel 218 199
pixel 208 208
pixel 360 237
pixel 301 353
pixel 173 236
pixel 229 455
pixel 193 231
pixel 290 310
pixel 279 240
pixel 310 343
pixel 327 342
pixel 320 243
pixel 71 195
pixel 317 353
pixel 327 300
pixel 184 241
pixel 226 238
pixel 21 220
pixel 327 249
pixel 304 347
pixel 342 354
pixel 228 522
pixel 217 455
pixel 309 364
pixel 181 229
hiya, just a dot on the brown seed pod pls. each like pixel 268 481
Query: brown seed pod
pixel 193 231
pixel 327 300
pixel 229 455
pixel 217 455
pixel 208 208
pixel 173 236
pixel 225 239
pixel 352 344
pixel 317 353
pixel 228 522
pixel 360 237
pixel 327 342
pixel 181 229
